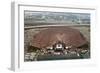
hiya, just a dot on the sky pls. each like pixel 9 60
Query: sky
pixel 64 17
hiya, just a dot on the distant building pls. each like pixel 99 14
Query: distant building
pixel 59 46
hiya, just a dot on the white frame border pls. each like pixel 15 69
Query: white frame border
pixel 15 57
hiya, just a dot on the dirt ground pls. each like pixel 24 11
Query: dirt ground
pixel 29 33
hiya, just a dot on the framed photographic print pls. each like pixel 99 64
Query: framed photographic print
pixel 49 36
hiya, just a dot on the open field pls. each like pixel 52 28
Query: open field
pixel 30 31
